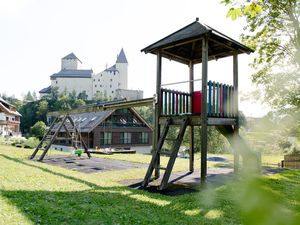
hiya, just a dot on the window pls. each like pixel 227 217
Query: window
pixel 110 86
pixel 56 82
pixel 101 75
pixel 100 85
pixel 99 80
pixel 95 85
pixel 119 84
pixel 125 138
pixel 110 80
pixel 112 92
pixel 94 80
pixel 106 138
pixel 144 138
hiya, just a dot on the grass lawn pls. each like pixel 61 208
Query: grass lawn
pixel 37 193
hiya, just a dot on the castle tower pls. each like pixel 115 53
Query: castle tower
pixel 70 62
pixel 122 67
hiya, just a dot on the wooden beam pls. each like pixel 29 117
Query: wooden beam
pixel 157 112
pixel 175 57
pixel 195 120
pixel 105 106
pixel 182 43
pixel 204 110
pixel 191 133
pixel 236 103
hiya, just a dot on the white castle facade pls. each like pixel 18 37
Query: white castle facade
pixel 111 82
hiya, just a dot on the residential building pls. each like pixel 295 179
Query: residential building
pixel 9 119
pixel 121 129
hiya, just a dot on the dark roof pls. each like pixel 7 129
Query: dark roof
pixel 5 102
pixel 8 108
pixel 71 56
pixel 73 74
pixel 112 69
pixel 86 122
pixel 46 90
pixel 185 45
pixel 121 57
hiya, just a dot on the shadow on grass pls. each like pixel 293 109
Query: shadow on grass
pixel 92 185
pixel 121 205
pixel 109 205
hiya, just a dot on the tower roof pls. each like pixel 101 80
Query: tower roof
pixel 185 45
pixel 71 56
pixel 121 57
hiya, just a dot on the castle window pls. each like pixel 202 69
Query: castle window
pixel 112 92
pixel 110 86
pixel 101 75
pixel 95 85
pixel 110 80
pixel 119 84
pixel 100 85
pixel 99 80
pixel 94 80
pixel 56 82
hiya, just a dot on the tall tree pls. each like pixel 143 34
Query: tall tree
pixel 273 30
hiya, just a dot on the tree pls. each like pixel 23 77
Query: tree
pixel 38 129
pixel 83 95
pixel 273 31
pixel 42 110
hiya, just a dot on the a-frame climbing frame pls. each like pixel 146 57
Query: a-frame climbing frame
pixel 52 134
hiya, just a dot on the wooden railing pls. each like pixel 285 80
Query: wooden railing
pixel 220 101
pixel 175 102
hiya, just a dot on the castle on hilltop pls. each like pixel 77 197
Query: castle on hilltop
pixel 111 82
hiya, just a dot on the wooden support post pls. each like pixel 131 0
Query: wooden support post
pixel 204 110
pixel 236 108
pixel 191 134
pixel 157 114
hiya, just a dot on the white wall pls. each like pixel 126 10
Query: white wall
pixel 123 77
pixel 70 84
pixel 2 116
pixel 69 64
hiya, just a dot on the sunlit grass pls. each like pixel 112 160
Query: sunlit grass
pixel 37 193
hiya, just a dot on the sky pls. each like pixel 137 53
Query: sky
pixel 36 34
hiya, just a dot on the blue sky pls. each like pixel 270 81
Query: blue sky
pixel 36 34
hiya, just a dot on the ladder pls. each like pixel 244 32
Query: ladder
pixel 156 154
pixel 51 136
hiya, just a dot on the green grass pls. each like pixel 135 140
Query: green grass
pixel 37 193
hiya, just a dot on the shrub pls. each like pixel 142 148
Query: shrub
pixel 31 142
pixel 17 141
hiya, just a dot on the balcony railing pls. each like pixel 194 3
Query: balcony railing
pixel 220 101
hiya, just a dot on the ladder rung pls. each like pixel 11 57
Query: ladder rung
pixel 170 139
pixel 162 168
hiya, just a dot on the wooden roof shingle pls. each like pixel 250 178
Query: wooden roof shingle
pixel 185 45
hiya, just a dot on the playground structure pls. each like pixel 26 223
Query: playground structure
pixel 216 104
pixel 51 135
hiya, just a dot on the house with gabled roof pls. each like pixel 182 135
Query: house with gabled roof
pixel 9 119
pixel 111 82
pixel 118 129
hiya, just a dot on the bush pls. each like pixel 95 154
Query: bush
pixel 38 129
pixel 17 141
pixel 31 142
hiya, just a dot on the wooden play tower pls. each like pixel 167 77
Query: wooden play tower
pixel 216 104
